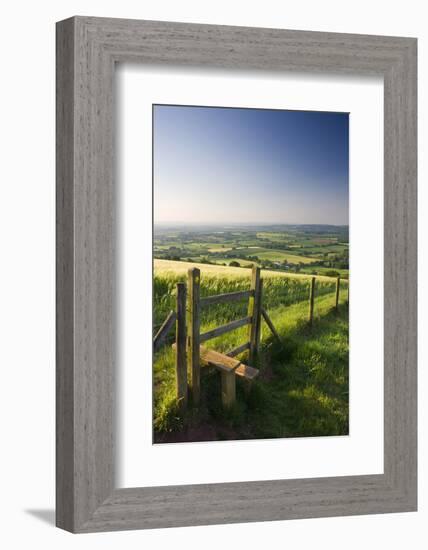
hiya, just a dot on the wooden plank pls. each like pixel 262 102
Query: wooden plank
pixel 194 277
pixel 162 333
pixel 270 324
pixel 254 313
pixel 222 298
pixel 181 341
pixel 223 329
pixel 311 300
pixel 336 305
pixel 228 389
pixel 212 358
pixel 245 371
pixel 239 349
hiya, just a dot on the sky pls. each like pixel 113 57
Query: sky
pixel 217 165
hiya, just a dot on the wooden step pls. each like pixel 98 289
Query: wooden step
pixel 212 358
pixel 224 363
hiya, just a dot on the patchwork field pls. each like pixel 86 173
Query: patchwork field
pixel 322 250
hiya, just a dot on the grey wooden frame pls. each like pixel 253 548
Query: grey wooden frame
pixel 87 50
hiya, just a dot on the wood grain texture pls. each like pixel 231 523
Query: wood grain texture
pixel 194 332
pixel 239 349
pixel 164 330
pixel 181 345
pixel 254 305
pixel 223 329
pixel 270 325
pixel 64 276
pixel 223 298
pixel 87 49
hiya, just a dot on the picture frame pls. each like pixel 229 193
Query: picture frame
pixel 87 51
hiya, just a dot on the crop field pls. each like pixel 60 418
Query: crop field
pixel 318 250
pixel 302 389
pixel 162 267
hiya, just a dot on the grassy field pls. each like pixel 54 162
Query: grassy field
pixel 302 389
pixel 171 268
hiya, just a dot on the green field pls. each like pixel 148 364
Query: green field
pixel 302 389
pixel 312 249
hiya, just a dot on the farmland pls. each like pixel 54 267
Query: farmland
pixel 311 249
pixel 302 389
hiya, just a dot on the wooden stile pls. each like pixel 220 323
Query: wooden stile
pixel 193 359
pixel 311 300
pixel 222 362
pixel 180 340
pixel 254 305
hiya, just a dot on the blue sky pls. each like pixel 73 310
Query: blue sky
pixel 222 165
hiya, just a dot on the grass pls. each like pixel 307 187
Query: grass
pixel 302 389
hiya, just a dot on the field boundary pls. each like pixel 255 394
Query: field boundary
pixel 190 355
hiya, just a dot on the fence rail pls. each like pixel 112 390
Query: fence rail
pixel 162 333
pixel 222 298
pixel 223 329
pixel 239 349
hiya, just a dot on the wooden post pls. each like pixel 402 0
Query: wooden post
pixel 259 316
pixel 337 293
pixel 180 350
pixel 228 389
pixel 311 300
pixel 193 359
pixel 270 325
pixel 254 307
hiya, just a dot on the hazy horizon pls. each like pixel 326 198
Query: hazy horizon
pixel 226 223
pixel 223 166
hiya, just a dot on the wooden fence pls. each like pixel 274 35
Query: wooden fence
pixel 190 355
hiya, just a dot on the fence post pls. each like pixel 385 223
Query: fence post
pixel 311 300
pixel 228 389
pixel 254 311
pixel 180 340
pixel 259 315
pixel 193 359
pixel 337 293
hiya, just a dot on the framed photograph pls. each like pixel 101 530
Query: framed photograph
pixel 236 274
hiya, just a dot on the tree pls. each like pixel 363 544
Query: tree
pixel 234 263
